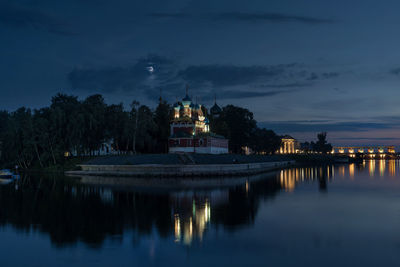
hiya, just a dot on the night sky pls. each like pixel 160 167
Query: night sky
pixel 301 66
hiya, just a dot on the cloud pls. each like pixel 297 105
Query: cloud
pixel 286 85
pixel 170 77
pixel 169 73
pixel 302 126
pixel 131 78
pixel 375 131
pixel 329 75
pixel 369 138
pixel 313 77
pixel 22 17
pixel 168 15
pixel 233 94
pixel 325 75
pixel 395 71
pixel 246 17
pixel 230 75
pixel 271 17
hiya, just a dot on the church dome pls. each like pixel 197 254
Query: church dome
pixel 195 106
pixel 215 109
pixel 187 99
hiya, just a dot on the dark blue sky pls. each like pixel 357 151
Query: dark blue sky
pixel 301 66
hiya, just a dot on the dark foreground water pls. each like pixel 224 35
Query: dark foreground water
pixel 346 215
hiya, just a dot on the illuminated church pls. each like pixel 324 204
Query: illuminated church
pixel 190 130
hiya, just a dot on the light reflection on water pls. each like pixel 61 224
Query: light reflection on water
pixel 288 216
pixel 290 177
pixel 188 225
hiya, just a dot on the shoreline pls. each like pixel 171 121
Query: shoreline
pixel 179 171
pixel 161 184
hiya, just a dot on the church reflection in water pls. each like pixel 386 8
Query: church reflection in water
pixel 70 212
pixel 191 219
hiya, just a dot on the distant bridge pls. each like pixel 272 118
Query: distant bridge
pixel 365 151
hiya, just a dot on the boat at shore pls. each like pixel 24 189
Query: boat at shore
pixel 7 176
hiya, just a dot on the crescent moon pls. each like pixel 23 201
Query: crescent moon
pixel 150 69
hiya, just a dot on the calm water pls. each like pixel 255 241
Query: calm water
pixel 345 215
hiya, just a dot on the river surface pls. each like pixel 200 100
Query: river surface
pixel 342 215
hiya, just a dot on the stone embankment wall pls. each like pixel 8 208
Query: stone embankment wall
pixel 180 170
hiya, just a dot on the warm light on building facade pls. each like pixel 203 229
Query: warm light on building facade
pixel 368 151
pixel 289 146
pixel 190 131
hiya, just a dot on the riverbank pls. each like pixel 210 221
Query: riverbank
pixel 190 170
pixel 173 184
pixel 193 165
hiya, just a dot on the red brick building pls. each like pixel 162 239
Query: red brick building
pixel 190 131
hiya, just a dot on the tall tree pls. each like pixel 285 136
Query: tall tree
pixel 4 126
pixel 21 137
pixel 265 141
pixel 117 122
pixel 322 144
pixel 134 115
pixel 162 118
pixel 146 130
pixel 94 110
pixel 239 127
pixel 65 126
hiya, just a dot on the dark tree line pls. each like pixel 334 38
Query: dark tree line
pixel 69 126
pixel 321 145
pixel 238 125
pixel 44 136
